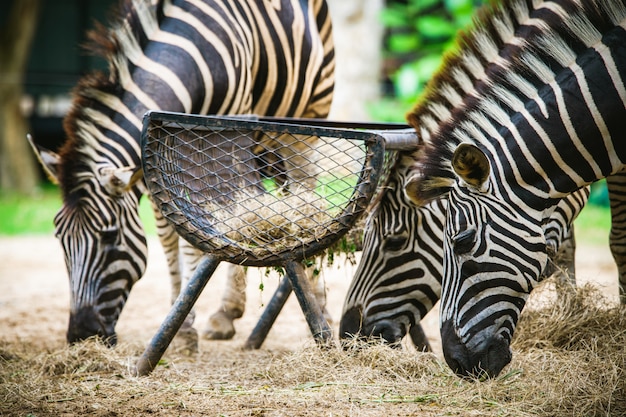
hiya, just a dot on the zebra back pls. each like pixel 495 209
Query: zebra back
pixel 269 57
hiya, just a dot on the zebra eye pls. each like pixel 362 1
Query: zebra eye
pixel 394 243
pixel 464 241
pixel 108 236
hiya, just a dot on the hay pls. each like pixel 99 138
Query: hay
pixel 576 349
pixel 274 222
pixel 576 318
pixel 569 360
pixel 575 378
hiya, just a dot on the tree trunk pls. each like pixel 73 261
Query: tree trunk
pixel 358 35
pixel 18 170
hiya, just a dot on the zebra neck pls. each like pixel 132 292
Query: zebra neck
pixel 540 91
pixel 548 149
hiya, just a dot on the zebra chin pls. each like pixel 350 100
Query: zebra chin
pixel 87 323
pixel 487 361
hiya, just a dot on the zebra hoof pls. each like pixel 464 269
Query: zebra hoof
pixel 186 341
pixel 220 327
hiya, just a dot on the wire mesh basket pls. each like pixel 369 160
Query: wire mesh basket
pixel 259 192
pixel 262 192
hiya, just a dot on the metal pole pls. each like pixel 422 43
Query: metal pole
pixel 265 323
pixel 179 311
pixel 312 312
pixel 401 140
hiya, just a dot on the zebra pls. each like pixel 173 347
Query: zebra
pixel 398 278
pixel 528 110
pixel 195 56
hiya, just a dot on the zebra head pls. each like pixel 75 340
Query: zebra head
pixel 398 279
pixel 395 284
pixel 100 232
pixel 493 258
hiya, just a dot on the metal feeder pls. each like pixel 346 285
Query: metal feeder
pixel 261 192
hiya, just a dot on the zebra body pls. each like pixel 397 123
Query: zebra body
pixel 538 108
pixel 206 57
pixel 398 279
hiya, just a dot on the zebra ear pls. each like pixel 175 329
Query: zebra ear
pixel 49 160
pixel 119 180
pixel 421 191
pixel 413 189
pixel 471 164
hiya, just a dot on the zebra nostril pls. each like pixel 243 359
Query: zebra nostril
pixel 497 356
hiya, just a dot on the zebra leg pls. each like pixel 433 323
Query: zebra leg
pixel 187 337
pixel 169 241
pixel 302 164
pixel 319 290
pixel 220 325
pixel 616 185
pixel 562 262
pixel 419 338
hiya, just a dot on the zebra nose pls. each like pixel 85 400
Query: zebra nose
pixel 390 331
pixel 351 326
pixel 86 323
pixel 486 361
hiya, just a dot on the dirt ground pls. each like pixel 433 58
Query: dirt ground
pixel 34 302
pixel 34 295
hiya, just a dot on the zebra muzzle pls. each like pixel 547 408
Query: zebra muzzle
pixel 351 325
pixel 486 361
pixel 86 323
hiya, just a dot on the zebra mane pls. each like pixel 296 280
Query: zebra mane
pixel 131 24
pixel 507 48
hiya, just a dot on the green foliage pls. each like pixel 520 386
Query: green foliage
pixel 599 195
pixel 419 33
pixel 29 214
pixel 593 224
pixel 147 216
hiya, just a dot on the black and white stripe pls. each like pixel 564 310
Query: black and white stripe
pixel 398 279
pixel 195 56
pixel 531 108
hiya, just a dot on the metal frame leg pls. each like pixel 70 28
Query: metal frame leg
pixel 322 333
pixel 174 320
pixel 295 279
pixel 265 323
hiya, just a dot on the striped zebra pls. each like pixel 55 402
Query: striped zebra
pixel 398 279
pixel 528 110
pixel 196 56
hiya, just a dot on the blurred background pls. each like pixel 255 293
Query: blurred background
pixel 386 52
